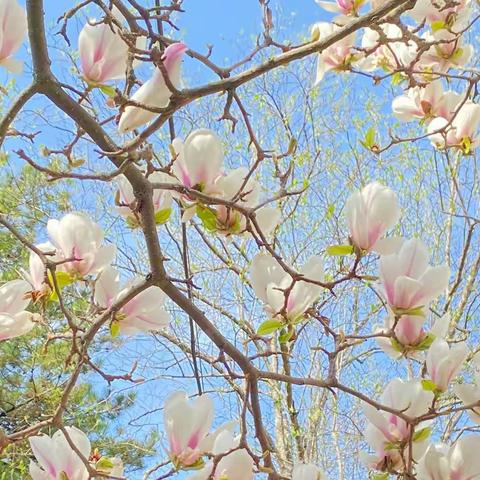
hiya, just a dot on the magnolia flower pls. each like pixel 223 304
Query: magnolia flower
pixel 448 51
pixel 232 221
pixel 127 203
pixel 459 462
pixel 13 28
pixel 344 7
pixel 461 132
pixel 441 13
pixel 103 52
pixel 338 56
pixel 56 458
pixel 387 433
pixel 36 274
pixel 144 312
pixel 237 465
pixel 370 213
pixel 307 471
pixel 273 286
pixel 14 320
pixel 390 56
pixel 198 160
pixel 410 337
pixel 443 363
pixel 470 394
pixel 409 283
pixel 76 237
pixel 154 92
pixel 425 103
pixel 187 425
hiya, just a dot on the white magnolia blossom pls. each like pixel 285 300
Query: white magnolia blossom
pixel 232 221
pixel 448 51
pixel 77 237
pixel 187 425
pixel 13 29
pixel 272 285
pixel 444 362
pixel 103 52
pixel 425 103
pixel 387 433
pixel 469 394
pixel 144 312
pixel 411 339
pixel 370 213
pixel 442 13
pixel 408 282
pixel 162 199
pixel 307 471
pixel 344 7
pixel 155 92
pixel 462 132
pixel 199 161
pixel 458 462
pixel 392 56
pixel 14 319
pixel 55 456
pixel 338 56
pixel 237 465
pixel 37 271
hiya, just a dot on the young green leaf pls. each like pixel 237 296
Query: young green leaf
pixel 269 326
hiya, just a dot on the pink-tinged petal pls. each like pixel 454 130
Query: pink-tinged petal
pixel 268 219
pixel 153 93
pixel 43 448
pixel 467 121
pixel 409 329
pixel 14 297
pixel 434 281
pixel 203 159
pixel 173 54
pixel 13 29
pixel 388 246
pixel 107 287
pixel 406 108
pixel 37 473
pixel 405 290
pixel 15 326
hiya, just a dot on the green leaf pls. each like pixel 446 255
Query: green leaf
pixel 428 385
pixel 108 90
pixel 208 217
pixel 195 466
pixel 269 326
pixel 114 329
pixel 426 342
pixel 370 137
pixel 415 312
pixel 63 279
pixel 292 146
pixel 285 336
pixel 438 25
pixel 132 222
pixel 104 464
pixel 330 211
pixel 380 476
pixel 397 346
pixel 162 216
pixel 421 435
pixel 397 78
pixel 340 250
